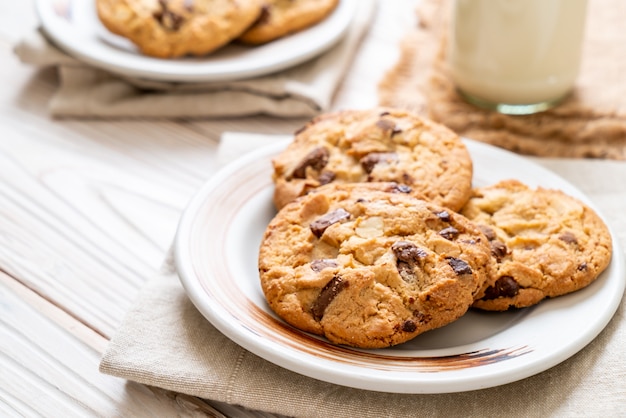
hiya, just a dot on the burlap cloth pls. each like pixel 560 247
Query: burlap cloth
pixel 591 123
pixel 85 91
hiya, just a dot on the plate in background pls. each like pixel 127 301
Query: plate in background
pixel 74 26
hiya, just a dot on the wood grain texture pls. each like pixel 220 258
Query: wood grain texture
pixel 88 210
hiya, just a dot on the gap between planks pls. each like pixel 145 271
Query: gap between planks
pixel 65 319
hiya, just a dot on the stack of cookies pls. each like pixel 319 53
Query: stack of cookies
pixel 175 28
pixel 379 235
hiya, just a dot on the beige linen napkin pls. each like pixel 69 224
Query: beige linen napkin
pixel 301 91
pixel 165 342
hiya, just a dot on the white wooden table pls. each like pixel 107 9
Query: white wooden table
pixel 88 209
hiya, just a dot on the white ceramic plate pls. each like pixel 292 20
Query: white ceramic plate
pixel 75 27
pixel 216 255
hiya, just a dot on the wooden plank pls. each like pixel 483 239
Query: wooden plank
pixel 89 208
pixel 49 367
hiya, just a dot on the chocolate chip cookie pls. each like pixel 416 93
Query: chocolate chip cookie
pixel 282 17
pixel 376 145
pixel 368 265
pixel 174 28
pixel 545 243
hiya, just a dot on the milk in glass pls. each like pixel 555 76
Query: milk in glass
pixel 516 56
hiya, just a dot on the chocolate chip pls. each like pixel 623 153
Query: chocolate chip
pixel 408 256
pixel 568 237
pixel 421 318
pixel 449 233
pixel 582 267
pixel 505 286
pixel 443 215
pixel 489 233
pixel 498 249
pixel 406 271
pixel 388 126
pixel 316 159
pixel 399 188
pixel 409 326
pixel 319 225
pixel 264 17
pixel 326 177
pixel 167 18
pixel 394 187
pixel 459 266
pixel 326 296
pixel 322 263
pixel 373 158
pixel 407 251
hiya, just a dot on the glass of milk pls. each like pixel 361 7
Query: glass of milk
pixel 515 56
